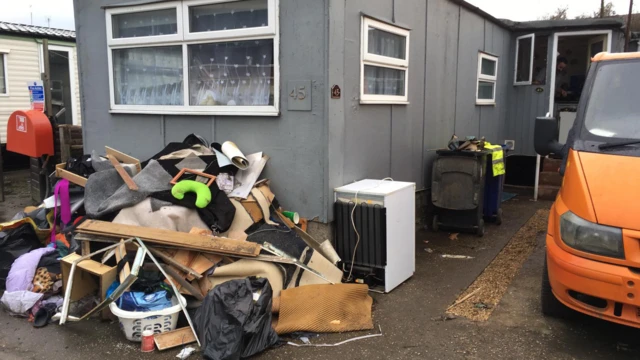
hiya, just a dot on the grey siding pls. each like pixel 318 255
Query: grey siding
pixel 398 141
pixel 295 140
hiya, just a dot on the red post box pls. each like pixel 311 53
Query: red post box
pixel 30 133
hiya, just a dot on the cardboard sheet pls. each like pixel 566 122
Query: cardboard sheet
pixel 245 179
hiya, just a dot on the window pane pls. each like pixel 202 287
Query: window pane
pixel 227 16
pixel 3 82
pixel 523 66
pixel 383 81
pixel 485 90
pixel 488 67
pixel 146 23
pixel 231 73
pixel 386 44
pixel 613 109
pixel 148 76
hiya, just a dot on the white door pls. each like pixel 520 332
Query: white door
pixel 64 85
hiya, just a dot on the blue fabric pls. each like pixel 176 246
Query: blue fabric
pixel 139 301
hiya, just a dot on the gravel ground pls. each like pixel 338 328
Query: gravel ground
pixel 482 297
pixel 515 330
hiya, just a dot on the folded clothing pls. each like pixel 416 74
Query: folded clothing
pixel 141 302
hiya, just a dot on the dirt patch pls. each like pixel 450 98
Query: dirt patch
pixel 482 296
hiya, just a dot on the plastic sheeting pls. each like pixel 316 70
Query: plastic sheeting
pixel 14 243
pixel 234 320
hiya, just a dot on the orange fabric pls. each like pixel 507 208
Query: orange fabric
pixel 604 56
pixel 63 239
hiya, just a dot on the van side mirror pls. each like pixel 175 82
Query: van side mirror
pixel 545 140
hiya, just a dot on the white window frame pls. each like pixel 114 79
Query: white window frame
pixel 367 58
pixel 515 71
pixel 247 33
pixel 184 38
pixel 487 78
pixel 145 39
pixel 5 60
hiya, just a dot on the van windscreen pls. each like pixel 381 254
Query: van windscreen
pixel 614 105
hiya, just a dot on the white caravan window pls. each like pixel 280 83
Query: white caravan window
pixel 4 86
pixel 524 59
pixel 487 79
pixel 385 63
pixel 213 57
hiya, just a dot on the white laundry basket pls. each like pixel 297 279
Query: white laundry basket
pixel 133 323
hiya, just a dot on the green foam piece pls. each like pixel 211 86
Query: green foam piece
pixel 202 191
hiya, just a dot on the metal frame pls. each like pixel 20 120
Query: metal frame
pixel 515 70
pixel 486 78
pixel 184 38
pixel 367 58
pixel 143 251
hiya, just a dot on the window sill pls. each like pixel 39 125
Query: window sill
pixel 485 104
pixel 383 102
pixel 4 95
pixel 216 112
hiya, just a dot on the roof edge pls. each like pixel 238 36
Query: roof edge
pixel 476 10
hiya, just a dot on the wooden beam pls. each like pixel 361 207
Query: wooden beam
pixel 120 156
pixel 46 78
pixel 123 173
pixel 169 260
pixel 121 252
pixel 171 238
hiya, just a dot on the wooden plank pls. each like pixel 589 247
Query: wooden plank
pixel 85 248
pixel 171 238
pixel 65 149
pixel 171 261
pixel 121 251
pixel 74 178
pixel 253 209
pixel 175 338
pixel 123 173
pixel 122 157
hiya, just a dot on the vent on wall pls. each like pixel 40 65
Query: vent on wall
pixel 371 222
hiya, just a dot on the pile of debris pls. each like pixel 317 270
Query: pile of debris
pixel 186 247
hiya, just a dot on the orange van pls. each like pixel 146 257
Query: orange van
pixel 592 260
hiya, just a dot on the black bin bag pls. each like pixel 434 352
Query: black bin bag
pixel 13 244
pixel 234 320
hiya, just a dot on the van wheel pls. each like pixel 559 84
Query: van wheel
pixel 550 305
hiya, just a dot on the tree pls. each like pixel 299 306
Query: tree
pixel 559 14
pixel 608 11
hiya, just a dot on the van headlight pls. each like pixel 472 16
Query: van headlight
pixel 586 236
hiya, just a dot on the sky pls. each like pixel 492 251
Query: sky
pixel 523 10
pixel 19 11
pixel 61 11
